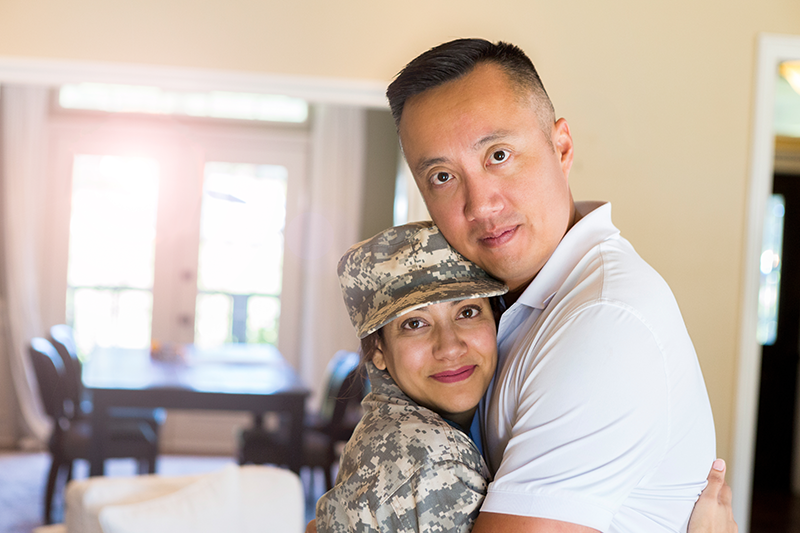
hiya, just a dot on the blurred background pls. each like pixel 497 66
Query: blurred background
pixel 151 127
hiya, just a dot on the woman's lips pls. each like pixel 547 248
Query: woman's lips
pixel 454 376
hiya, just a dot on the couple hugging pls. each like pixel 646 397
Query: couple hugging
pixel 529 371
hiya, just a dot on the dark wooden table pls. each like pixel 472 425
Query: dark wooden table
pixel 235 377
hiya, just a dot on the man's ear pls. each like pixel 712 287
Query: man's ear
pixel 378 357
pixel 562 140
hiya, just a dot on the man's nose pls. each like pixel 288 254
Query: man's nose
pixel 449 345
pixel 483 199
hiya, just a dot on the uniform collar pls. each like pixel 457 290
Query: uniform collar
pixel 382 383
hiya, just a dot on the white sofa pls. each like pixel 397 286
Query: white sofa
pixel 245 499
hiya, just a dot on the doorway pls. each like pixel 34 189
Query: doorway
pixel 774 506
pixel 772 50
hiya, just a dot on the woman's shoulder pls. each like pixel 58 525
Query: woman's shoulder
pixel 393 421
pixel 394 441
pixel 403 455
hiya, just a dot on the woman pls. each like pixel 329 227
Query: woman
pixel 429 345
pixel 428 340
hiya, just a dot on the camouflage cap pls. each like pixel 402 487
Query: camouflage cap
pixel 404 268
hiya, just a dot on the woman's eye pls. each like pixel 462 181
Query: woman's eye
pixel 469 312
pixel 413 323
pixel 442 177
pixel 498 156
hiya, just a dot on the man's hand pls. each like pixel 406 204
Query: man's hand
pixel 713 512
pixel 312 527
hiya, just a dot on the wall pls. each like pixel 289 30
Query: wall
pixel 659 100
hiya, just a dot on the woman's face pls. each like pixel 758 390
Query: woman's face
pixel 442 356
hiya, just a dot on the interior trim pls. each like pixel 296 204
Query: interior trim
pixel 51 72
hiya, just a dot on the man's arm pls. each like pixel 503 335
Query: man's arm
pixel 507 523
pixel 712 513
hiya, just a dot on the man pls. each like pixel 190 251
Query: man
pixel 598 418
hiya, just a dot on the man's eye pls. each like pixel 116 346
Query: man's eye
pixel 498 157
pixel 442 177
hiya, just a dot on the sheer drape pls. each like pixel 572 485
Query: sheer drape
pixel 331 224
pixel 22 177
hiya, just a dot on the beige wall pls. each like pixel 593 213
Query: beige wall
pixel 659 100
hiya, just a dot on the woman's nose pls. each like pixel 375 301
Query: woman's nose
pixel 449 344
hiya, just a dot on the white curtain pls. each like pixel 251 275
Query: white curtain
pixel 331 222
pixel 22 178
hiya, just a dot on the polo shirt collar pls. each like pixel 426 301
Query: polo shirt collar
pixel 593 228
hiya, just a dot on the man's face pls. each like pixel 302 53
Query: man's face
pixel 493 181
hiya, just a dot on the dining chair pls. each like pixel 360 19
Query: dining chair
pixel 70 438
pixel 62 337
pixel 323 431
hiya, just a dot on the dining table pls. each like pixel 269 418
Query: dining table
pixel 235 377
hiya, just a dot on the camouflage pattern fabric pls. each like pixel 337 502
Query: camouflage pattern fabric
pixel 404 268
pixel 404 470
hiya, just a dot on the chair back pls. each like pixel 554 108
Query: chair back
pixel 345 386
pixel 63 338
pixel 49 369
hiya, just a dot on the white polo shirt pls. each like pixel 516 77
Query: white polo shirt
pixel 598 414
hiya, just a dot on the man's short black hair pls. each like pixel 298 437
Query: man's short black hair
pixel 454 59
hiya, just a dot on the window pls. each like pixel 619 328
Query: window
pixel 769 288
pixel 241 253
pixel 111 250
pixel 153 100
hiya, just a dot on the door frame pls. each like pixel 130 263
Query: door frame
pixel 772 49
pixel 182 148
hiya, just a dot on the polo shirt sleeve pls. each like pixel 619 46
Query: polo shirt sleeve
pixel 592 419
pixel 440 496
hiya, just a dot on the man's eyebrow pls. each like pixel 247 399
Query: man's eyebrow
pixel 427 163
pixel 483 141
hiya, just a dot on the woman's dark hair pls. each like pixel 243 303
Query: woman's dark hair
pixel 454 59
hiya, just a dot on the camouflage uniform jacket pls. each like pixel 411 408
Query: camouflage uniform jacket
pixel 405 469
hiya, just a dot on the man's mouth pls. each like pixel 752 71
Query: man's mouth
pixel 499 237
pixel 454 376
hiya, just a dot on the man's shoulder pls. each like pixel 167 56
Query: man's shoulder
pixel 612 273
